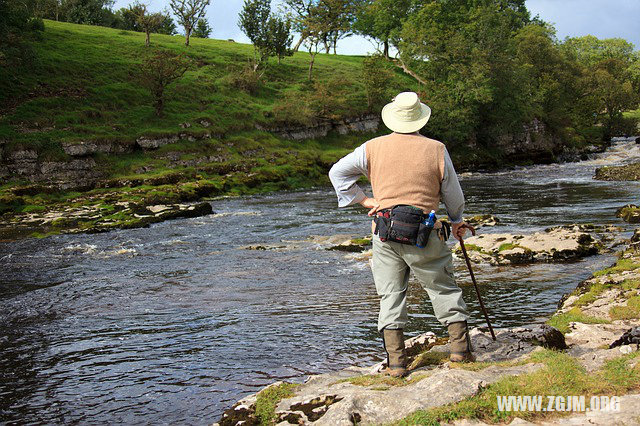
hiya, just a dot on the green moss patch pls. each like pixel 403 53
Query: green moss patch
pixel 268 399
pixel 561 321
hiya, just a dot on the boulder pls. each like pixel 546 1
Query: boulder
pixel 628 172
pixel 629 213
pixel 481 220
pixel 555 244
pixel 354 245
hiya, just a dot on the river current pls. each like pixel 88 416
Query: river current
pixel 173 323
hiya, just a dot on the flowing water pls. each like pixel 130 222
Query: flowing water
pixel 175 322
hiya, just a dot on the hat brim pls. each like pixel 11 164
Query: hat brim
pixel 400 126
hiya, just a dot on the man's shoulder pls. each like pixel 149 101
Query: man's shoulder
pixel 400 137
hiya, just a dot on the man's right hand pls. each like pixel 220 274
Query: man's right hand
pixel 372 204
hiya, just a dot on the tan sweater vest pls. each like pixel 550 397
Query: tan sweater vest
pixel 406 169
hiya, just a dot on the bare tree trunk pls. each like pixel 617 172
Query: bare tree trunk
pixel 159 102
pixel 313 58
pixel 406 69
pixel 146 42
pixel 299 43
pixel 187 33
pixel 386 49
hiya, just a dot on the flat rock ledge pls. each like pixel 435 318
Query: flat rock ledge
pixel 556 244
pixel 95 219
pixel 334 398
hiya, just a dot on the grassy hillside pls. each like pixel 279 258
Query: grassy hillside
pixel 83 86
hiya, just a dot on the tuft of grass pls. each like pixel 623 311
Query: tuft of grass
pixel 268 399
pixel 473 247
pixel 561 321
pixel 429 358
pixel 630 311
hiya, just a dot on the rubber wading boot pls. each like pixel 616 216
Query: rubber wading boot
pixel 396 357
pixel 460 342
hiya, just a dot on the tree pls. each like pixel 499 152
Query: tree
pixel 279 37
pixel 312 43
pixel 299 11
pixel 203 29
pixel 376 78
pixel 168 26
pixel 609 85
pixel 333 17
pixel 147 22
pixel 189 13
pixel 160 70
pixel 462 53
pixel 91 12
pixel 254 22
pixel 127 18
pixel 381 19
pixel 337 17
pixel 17 27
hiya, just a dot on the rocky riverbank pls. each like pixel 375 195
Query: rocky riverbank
pixel 585 349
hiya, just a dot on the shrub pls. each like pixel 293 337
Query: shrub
pixel 293 108
pixel 246 80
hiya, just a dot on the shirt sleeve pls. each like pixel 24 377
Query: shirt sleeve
pixel 452 195
pixel 344 175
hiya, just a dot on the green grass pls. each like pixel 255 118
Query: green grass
pixel 627 312
pixel 620 266
pixel 561 321
pixel 83 85
pixel 473 247
pixel 268 399
pixel 507 246
pixel 560 375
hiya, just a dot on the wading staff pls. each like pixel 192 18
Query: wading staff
pixel 473 278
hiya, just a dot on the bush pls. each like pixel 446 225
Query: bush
pixel 293 108
pixel 328 98
pixel 625 126
pixel 246 80
pixel 376 77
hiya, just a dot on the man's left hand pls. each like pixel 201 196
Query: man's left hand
pixel 372 204
pixel 459 229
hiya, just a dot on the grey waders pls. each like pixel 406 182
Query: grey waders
pixel 460 342
pixel 396 356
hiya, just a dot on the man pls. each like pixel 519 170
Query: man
pixel 408 169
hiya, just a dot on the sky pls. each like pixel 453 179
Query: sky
pixel 571 18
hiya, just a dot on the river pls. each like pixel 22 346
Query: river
pixel 173 323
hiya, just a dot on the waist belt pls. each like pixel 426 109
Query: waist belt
pixel 404 224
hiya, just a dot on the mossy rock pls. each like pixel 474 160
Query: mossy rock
pixel 629 213
pixel 629 172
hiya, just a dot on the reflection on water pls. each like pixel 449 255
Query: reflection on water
pixel 174 322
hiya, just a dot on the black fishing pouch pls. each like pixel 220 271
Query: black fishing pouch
pixel 403 224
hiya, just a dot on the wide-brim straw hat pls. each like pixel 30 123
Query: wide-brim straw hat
pixel 406 114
